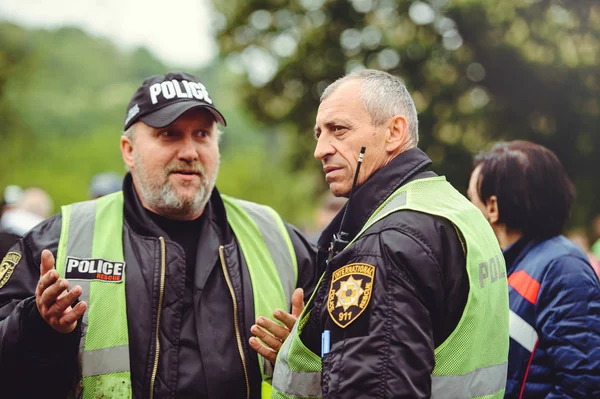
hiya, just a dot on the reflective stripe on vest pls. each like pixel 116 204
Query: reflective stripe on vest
pixel 297 383
pixel 274 270
pixel 105 361
pixel 279 244
pixel 522 332
pixel 259 230
pixel 304 384
pixel 294 383
pixel 481 382
pixel 104 344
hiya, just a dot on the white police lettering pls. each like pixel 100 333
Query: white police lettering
pixel 94 269
pixel 154 92
pixel 188 90
pixel 200 92
pixel 172 89
pixel 168 91
pixel 206 97
pixel 180 94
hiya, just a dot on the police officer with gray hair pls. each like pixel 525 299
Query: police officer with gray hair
pixel 413 302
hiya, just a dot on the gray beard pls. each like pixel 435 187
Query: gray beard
pixel 164 199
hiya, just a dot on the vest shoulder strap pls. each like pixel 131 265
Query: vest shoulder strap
pixel 248 218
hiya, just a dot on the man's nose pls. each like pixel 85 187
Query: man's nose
pixel 324 147
pixel 187 150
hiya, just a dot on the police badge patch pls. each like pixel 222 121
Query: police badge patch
pixel 350 292
pixel 7 267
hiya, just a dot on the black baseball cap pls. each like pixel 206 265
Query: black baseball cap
pixel 161 99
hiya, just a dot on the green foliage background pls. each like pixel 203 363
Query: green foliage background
pixel 479 71
pixel 63 95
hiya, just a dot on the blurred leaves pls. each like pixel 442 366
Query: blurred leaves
pixel 63 95
pixel 479 71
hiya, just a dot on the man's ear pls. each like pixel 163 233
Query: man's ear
pixel 127 151
pixel 397 134
pixel 492 209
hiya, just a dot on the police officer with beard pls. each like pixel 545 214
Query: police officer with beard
pixel 151 291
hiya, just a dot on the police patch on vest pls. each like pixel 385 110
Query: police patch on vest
pixel 94 269
pixel 7 267
pixel 350 292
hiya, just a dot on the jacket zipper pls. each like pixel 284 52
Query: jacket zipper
pixel 163 262
pixel 238 335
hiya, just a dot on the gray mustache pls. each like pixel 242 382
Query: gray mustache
pixel 195 168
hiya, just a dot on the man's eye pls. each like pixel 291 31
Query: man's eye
pixel 202 133
pixel 165 133
pixel 338 128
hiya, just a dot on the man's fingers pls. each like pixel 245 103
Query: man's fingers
pixel 269 340
pixel 65 300
pixel 63 294
pixel 45 281
pixel 274 328
pixel 72 315
pixel 51 293
pixel 285 318
pixel 54 301
pixel 47 262
pixel 297 302
pixel 262 350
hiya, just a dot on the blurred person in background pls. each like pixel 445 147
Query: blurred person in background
pixel 26 209
pixel 36 201
pixel 105 183
pixel 10 196
pixel 329 205
pixel 151 291
pixel 580 238
pixel 405 308
pixel 526 196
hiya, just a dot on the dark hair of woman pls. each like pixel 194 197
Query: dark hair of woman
pixel 533 190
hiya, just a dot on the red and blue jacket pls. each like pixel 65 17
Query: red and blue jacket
pixel 554 299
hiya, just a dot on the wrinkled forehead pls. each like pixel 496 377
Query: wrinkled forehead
pixel 343 103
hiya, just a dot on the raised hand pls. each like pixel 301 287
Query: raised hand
pixel 273 334
pixel 54 300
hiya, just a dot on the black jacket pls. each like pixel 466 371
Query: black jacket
pixel 419 292
pixel 31 351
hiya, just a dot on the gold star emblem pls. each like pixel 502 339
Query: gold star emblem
pixel 349 293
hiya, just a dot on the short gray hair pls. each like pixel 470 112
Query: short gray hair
pixel 383 95
pixel 129 133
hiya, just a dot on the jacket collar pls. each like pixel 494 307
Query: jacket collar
pixel 137 219
pixel 372 193
pixel 514 254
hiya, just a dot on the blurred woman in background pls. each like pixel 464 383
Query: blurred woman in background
pixel 525 194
